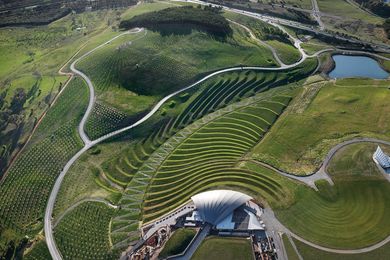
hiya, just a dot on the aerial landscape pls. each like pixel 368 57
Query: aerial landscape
pixel 195 129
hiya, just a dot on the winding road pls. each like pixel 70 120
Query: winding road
pixel 48 225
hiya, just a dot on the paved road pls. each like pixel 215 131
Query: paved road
pixel 91 102
pixel 317 14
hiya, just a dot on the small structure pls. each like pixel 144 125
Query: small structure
pixel 382 159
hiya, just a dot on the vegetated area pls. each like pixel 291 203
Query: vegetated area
pixel 271 35
pixel 359 201
pixel 178 242
pixel 83 233
pixel 290 251
pixel 38 252
pixel 308 252
pixel 25 189
pixel 304 4
pixel 29 62
pixel 205 18
pixel 323 116
pixel 268 9
pixel 224 249
pixel 347 18
pixel 378 7
pixel 133 72
pixel 210 156
pixel 117 171
pixel 34 12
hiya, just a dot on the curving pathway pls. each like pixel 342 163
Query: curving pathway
pixel 48 226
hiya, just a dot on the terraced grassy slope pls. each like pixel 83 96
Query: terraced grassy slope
pixel 356 209
pixel 209 157
pixel 303 136
pixel 84 232
pixel 27 186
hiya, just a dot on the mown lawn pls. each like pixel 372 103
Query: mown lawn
pixel 291 254
pixel 356 209
pixel 218 248
pixel 341 110
pixel 311 253
pixel 178 242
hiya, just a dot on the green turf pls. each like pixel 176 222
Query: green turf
pixel 302 137
pixel 178 242
pixel 218 248
pixel 311 253
pixel 290 251
pixel 356 209
pixel 84 232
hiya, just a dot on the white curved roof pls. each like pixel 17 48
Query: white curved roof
pixel 381 158
pixel 213 206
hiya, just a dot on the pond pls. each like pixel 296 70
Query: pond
pixel 348 66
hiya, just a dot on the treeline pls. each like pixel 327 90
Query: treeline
pixel 378 7
pixel 23 13
pixel 386 27
pixel 207 18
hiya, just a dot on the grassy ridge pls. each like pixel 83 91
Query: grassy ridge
pixel 207 18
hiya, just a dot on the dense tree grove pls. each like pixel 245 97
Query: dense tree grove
pixel 208 18
pixel 386 26
pixel 376 6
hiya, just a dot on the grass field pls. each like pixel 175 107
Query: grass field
pixel 178 242
pixel 84 232
pixel 217 248
pixel 356 159
pixel 322 118
pixel 291 254
pixel 356 209
pixel 311 253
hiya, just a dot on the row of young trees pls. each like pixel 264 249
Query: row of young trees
pixel 378 7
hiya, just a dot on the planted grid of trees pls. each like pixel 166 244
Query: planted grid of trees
pixel 104 119
pixel 84 232
pixel 209 157
pixel 25 189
